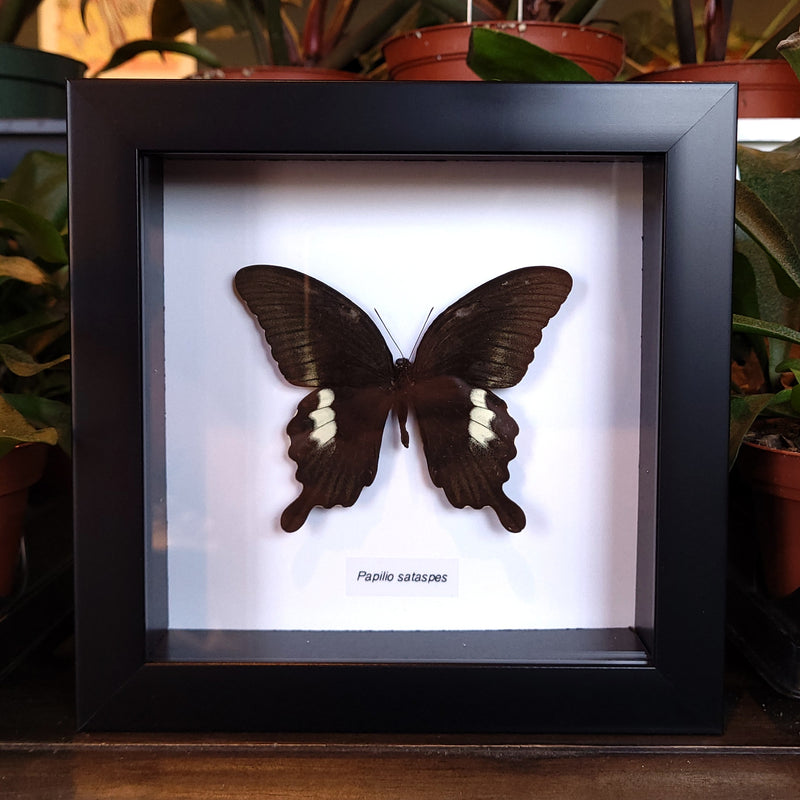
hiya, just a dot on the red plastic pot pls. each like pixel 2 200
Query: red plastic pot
pixel 439 53
pixel 19 470
pixel 767 88
pixel 774 476
pixel 269 73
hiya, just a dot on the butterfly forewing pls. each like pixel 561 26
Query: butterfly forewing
pixel 487 338
pixel 318 337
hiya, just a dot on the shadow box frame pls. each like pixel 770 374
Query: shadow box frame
pixel 664 674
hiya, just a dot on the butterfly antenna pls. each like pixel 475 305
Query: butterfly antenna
pixel 386 328
pixel 421 331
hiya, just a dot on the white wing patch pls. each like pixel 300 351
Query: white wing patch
pixel 323 418
pixel 480 419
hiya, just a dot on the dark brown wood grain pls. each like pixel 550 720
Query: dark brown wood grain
pixel 41 756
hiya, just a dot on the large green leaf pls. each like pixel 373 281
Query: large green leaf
pixel 31 323
pixel 497 56
pixel 755 217
pixel 775 177
pixel 38 235
pixel 761 327
pixel 39 182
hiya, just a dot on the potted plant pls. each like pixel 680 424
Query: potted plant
pixel 440 52
pixel 767 85
pixel 34 338
pixel 314 43
pixel 32 82
pixel 765 406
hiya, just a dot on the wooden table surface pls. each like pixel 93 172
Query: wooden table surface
pixel 757 757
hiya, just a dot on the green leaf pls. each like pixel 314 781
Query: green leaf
pixel 580 12
pixel 371 31
pixel 789 365
pixel 23 269
pixel 271 9
pixel 51 414
pixel 744 410
pixel 31 323
pixel 37 234
pixel 497 56
pixel 168 19
pixel 205 16
pixel 132 49
pixel 758 221
pixel 761 327
pixel 24 364
pixel 14 429
pixel 39 182
pixel 13 14
pixel 775 177
pixel 789 48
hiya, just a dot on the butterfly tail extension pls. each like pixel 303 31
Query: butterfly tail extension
pixel 296 513
pixel 511 516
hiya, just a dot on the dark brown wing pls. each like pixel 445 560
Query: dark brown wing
pixel 335 441
pixel 468 437
pixel 318 337
pixel 487 338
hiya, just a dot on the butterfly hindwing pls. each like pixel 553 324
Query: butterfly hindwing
pixel 468 438
pixel 317 335
pixel 487 338
pixel 335 441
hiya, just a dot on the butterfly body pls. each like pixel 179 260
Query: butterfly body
pixel 323 341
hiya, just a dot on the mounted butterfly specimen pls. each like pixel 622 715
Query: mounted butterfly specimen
pixel 324 342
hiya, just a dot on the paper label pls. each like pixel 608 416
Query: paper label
pixel 402 577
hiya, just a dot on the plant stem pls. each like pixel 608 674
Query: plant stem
pixel 354 43
pixel 260 44
pixel 717 23
pixel 456 9
pixel 274 23
pixel 579 11
pixel 684 31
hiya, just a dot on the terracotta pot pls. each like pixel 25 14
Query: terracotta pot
pixel 19 470
pixel 439 53
pixel 774 476
pixel 268 73
pixel 767 88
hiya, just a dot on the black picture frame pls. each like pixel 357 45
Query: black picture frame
pixel 663 675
